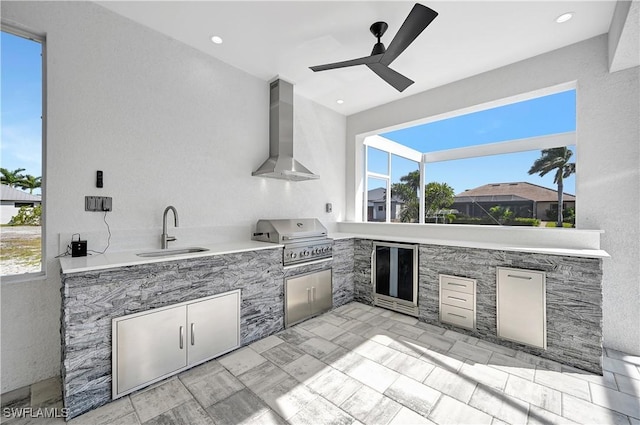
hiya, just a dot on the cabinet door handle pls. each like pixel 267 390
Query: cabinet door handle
pixel 308 295
pixel 193 333
pixel 181 337
pixel 457 284
pixel 519 277
pixel 373 259
pixel 456 298
pixel 457 315
pixel 313 292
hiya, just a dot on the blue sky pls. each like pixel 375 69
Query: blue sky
pixel 536 117
pixel 21 85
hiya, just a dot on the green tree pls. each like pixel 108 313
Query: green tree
pixel 437 196
pixel 30 182
pixel 555 159
pixel 12 178
pixel 501 214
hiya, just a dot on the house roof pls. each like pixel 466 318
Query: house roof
pixel 12 194
pixel 517 191
pixel 378 195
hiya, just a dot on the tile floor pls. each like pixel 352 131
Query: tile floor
pixel 362 364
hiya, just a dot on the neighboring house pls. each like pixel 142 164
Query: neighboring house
pixel 13 199
pixel 523 198
pixel 377 205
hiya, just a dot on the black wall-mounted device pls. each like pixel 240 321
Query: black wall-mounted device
pixel 78 248
pixel 99 178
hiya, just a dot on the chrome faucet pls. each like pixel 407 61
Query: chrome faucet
pixel 166 238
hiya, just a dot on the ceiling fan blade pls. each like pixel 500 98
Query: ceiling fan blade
pixel 397 80
pixel 419 18
pixel 359 61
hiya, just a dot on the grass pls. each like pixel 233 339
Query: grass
pixel 553 224
pixel 23 251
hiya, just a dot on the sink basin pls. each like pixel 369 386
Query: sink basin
pixel 170 252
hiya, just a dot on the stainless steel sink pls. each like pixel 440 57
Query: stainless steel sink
pixel 170 252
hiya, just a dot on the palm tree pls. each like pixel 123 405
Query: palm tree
pixel 12 178
pixel 555 159
pixel 30 182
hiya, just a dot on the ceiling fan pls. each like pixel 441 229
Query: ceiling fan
pixel 419 18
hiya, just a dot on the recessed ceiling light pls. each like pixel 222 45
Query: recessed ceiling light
pixel 564 17
pixel 216 39
pixel 339 101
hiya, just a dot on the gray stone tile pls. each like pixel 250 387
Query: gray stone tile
pixel 446 361
pixel 287 397
pixel 283 354
pixel 372 374
pixel 334 319
pixel 606 380
pixel 189 413
pixel 535 394
pixel 130 419
pixel 461 337
pixel 383 336
pixel 627 385
pixel 265 344
pixel 215 388
pixel 240 361
pixel 407 330
pixel 499 405
pixel 584 412
pixel 414 395
pixel 409 417
pixel 538 416
pixel 160 398
pixel 20 397
pixel 437 341
pixel 380 322
pixel 348 340
pixel 432 329
pixel 107 414
pixel 564 383
pixel 538 361
pixel 450 383
pixel 485 375
pixel 198 373
pixel 241 408
pixel 451 411
pixel 262 376
pixel 320 412
pixel 317 347
pixel 358 328
pixel 620 367
pixel 295 335
pixel 408 366
pixel 403 318
pixel 268 418
pixel 411 347
pixel 512 366
pixel 619 355
pixel 471 352
pixel 328 331
pixel 305 368
pixel 496 348
pixel 616 400
pixel 374 351
pixel 370 407
pixel 334 385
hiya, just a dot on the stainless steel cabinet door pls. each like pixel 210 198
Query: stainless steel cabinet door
pixel 321 292
pixel 213 327
pixel 521 306
pixel 150 346
pixel 297 299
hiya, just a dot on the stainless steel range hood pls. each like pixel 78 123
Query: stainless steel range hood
pixel 281 164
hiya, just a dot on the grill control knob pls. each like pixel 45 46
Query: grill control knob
pixel 293 255
pixel 305 253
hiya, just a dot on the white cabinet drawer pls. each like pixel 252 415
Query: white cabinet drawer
pixel 457 299
pixel 457 316
pixel 458 284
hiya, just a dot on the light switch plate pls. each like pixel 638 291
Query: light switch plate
pixel 329 207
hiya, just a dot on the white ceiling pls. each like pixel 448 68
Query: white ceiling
pixel 268 39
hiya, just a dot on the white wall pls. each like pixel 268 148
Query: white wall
pixel 167 125
pixel 608 152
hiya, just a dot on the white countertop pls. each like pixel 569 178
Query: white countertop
pixel 568 252
pixel 111 260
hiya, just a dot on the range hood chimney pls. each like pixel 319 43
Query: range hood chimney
pixel 281 164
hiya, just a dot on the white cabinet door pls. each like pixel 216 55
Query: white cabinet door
pixel 521 306
pixel 150 346
pixel 213 327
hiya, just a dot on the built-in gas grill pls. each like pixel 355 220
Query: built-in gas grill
pixel 304 239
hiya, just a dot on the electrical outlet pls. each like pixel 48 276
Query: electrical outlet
pixel 98 203
pixel 328 207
